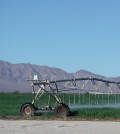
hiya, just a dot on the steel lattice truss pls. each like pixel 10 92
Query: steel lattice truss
pixel 79 85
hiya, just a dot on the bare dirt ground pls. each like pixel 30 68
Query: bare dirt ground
pixel 58 127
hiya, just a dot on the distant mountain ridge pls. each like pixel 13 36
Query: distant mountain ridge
pixel 13 77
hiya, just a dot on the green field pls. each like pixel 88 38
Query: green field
pixel 10 104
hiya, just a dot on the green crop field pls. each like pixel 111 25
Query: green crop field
pixel 86 104
pixel 10 103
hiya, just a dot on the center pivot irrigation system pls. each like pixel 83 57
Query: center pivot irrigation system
pixel 56 88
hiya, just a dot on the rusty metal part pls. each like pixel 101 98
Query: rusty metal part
pixel 62 110
pixel 27 110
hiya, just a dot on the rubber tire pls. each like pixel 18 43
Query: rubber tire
pixel 27 110
pixel 62 110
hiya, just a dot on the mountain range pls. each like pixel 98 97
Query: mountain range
pixel 13 77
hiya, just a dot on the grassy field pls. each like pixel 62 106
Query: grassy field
pixel 10 104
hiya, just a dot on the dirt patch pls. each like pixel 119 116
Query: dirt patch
pixel 54 118
pixel 59 127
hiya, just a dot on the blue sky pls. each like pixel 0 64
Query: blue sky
pixel 66 34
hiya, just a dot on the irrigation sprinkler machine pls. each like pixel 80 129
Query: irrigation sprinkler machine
pixel 75 90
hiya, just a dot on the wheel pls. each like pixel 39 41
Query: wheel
pixel 62 110
pixel 27 110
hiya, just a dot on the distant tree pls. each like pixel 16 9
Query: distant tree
pixel 16 92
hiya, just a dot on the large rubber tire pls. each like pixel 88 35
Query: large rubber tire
pixel 62 110
pixel 27 110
